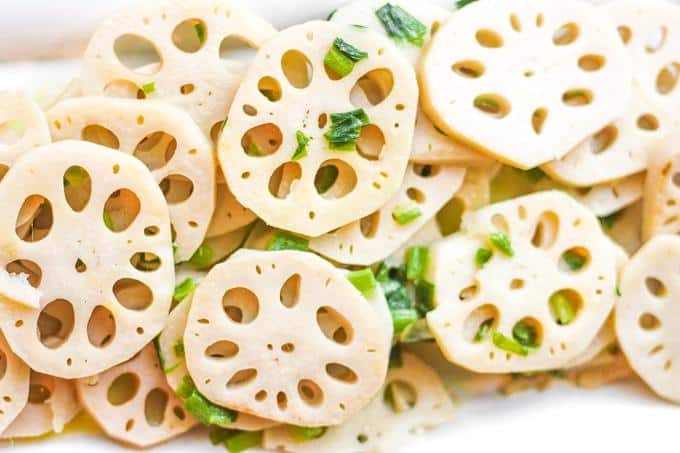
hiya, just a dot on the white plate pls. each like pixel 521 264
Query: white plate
pixel 624 416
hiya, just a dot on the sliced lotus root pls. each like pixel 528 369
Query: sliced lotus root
pixel 192 55
pixel 625 227
pixel 22 127
pixel 424 191
pixel 604 338
pixel 133 403
pixel 526 285
pixel 516 86
pixel 13 384
pixel 661 207
pixel 52 403
pixel 166 140
pixel 15 288
pixel 91 229
pixel 429 233
pixel 647 314
pixel 322 357
pixel 229 214
pixel 288 97
pixel 417 401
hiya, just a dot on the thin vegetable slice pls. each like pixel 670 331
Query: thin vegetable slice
pixel 14 383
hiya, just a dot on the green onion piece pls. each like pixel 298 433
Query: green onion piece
pixel 201 408
pixel 363 280
pixel 406 213
pixel 502 242
pixel 525 334
pixel 416 332
pixel 509 344
pixel 393 282
pixel 200 32
pixel 149 88
pixel 607 222
pixel 561 308
pixel 345 129
pixel 303 433
pixel 424 297
pixel 302 142
pixel 202 257
pixel 402 317
pixel 75 177
pixel 482 257
pixel 395 357
pixel 416 262
pixel 487 104
pixel 573 260
pixel 243 441
pixel 400 25
pixel 618 291
pixel 325 178
pixel 287 241
pixel 462 3
pixel 184 289
pixel 483 331
pixel 254 150
pixel 332 13
pixel 107 220
pixel 219 435
pixel 342 56
pixel 178 348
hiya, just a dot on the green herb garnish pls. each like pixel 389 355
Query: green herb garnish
pixel 200 32
pixel 400 25
pixel 509 344
pixel 607 222
pixel 482 257
pixel 424 297
pixel 525 334
pixel 178 348
pixel 202 257
pixel 416 262
pixel 254 150
pixel 342 56
pixel 483 331
pixel 402 317
pixel 201 408
pixel 286 241
pixel 302 142
pixel 502 242
pixel 406 213
pixel 345 129
pixel 75 177
pixel 184 289
pixel 363 280
pixel 149 88
pixel 107 220
pixel 487 105
pixel 303 433
pixel 243 440
pixel 561 308
pixel 574 260
pixel 416 332
pixel 618 291
pixel 461 3
pixel 325 178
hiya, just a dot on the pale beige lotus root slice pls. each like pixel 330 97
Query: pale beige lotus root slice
pixel 647 314
pixel 283 192
pixel 52 403
pixel 193 53
pixel 15 288
pixel 165 138
pixel 14 384
pixel 511 289
pixel 97 248
pixel 285 336
pixel 421 403
pixel 661 202
pixel 379 234
pixel 22 127
pixel 229 214
pixel 507 77
pixel 133 403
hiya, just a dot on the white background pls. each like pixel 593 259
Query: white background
pixel 625 417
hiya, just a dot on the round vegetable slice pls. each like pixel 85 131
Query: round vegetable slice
pixel 323 356
pixel 22 127
pixel 424 191
pixel 295 140
pixel 229 214
pixel 91 229
pixel 410 25
pixel 13 384
pixel 662 190
pixel 133 403
pixel 526 286
pixel 192 55
pixel 414 399
pixel 649 30
pixel 166 140
pixel 52 403
pixel 514 87
pixel 647 312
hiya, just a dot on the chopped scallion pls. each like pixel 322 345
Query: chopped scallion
pixel 402 317
pixel 502 242
pixel 303 433
pixel 200 32
pixel 202 257
pixel 607 222
pixel 363 280
pixel 416 262
pixel 178 348
pixel 462 3
pixel 184 289
pixel 345 129
pixel 400 25
pixel 509 344
pixel 406 213
pixel 525 334
pixel 108 221
pixel 416 332
pixel 482 257
pixel 201 408
pixel 561 308
pixel 483 331
pixel 574 260
pixel 342 56
pixel 149 88
pixel 487 104
pixel 243 440
pixel 325 178
pixel 286 241
pixel 75 177
pixel 424 297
